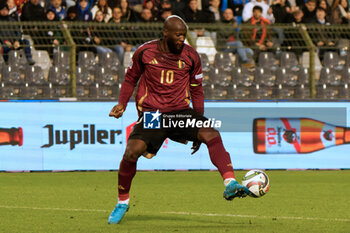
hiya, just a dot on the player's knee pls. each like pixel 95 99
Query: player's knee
pixel 131 154
pixel 134 149
pixel 205 135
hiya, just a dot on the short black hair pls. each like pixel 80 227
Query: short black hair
pixel 72 10
pixel 259 8
pixel 3 5
pixel 321 9
pixel 50 10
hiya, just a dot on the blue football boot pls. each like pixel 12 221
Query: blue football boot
pixel 234 189
pixel 118 213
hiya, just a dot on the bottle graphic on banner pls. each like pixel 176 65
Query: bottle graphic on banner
pixel 11 136
pixel 296 135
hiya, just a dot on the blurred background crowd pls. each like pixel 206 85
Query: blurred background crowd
pixel 257 40
pixel 193 11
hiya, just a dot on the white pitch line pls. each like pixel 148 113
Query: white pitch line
pixel 186 213
pixel 263 217
pixel 60 209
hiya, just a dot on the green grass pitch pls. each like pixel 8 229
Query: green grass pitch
pixel 298 201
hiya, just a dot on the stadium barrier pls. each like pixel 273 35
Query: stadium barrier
pixel 301 62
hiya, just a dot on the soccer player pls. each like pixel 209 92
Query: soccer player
pixel 169 74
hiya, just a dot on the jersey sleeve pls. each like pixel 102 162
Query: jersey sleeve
pixel 196 88
pixel 132 76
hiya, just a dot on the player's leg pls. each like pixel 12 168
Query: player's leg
pixel 141 142
pixel 221 159
pixel 218 155
pixel 127 170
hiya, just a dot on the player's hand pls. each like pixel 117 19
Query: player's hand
pixel 117 111
pixel 195 147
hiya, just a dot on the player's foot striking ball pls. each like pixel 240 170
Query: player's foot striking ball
pixel 234 189
pixel 169 75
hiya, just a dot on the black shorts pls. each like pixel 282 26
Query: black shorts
pixel 154 138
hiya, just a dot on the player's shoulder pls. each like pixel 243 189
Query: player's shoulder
pixel 148 45
pixel 191 52
pixel 188 48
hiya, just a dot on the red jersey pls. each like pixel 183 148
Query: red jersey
pixel 167 81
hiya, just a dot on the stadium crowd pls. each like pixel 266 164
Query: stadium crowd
pixel 232 12
pixel 193 11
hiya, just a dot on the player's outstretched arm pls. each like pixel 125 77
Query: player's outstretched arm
pixel 117 111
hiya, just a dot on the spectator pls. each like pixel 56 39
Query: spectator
pixel 33 11
pixel 298 17
pixel 19 4
pixel 237 8
pixel 72 13
pixel 293 40
pixel 324 5
pixel 135 5
pixel 203 5
pixel 193 15
pixel 165 14
pixel 102 6
pixel 128 15
pixel 79 32
pixel 340 12
pixel 13 10
pixel 167 4
pixel 233 44
pixel 97 35
pixel 177 6
pixel 121 44
pixel 116 16
pixel 146 16
pixel 322 40
pixel 215 10
pixel 11 36
pixel 84 13
pixel 228 17
pixel 248 10
pixel 282 11
pixel 58 9
pixel 50 33
pixel 150 4
pixel 309 11
pixel 321 16
pixel 260 37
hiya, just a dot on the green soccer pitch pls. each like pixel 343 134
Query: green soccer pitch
pixel 298 201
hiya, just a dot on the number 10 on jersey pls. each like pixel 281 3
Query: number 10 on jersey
pixel 169 76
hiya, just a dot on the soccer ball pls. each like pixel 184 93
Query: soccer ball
pixel 257 182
